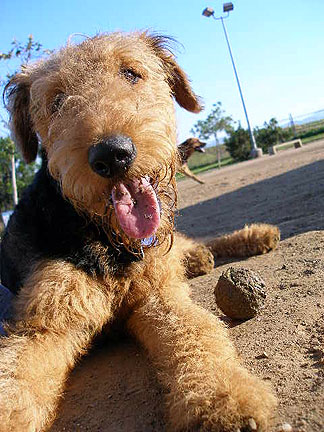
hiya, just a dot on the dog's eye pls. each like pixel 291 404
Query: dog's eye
pixel 57 102
pixel 131 76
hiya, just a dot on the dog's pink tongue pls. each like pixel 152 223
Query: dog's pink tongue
pixel 137 208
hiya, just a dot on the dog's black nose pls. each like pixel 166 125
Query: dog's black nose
pixel 112 156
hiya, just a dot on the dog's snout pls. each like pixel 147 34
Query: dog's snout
pixel 112 155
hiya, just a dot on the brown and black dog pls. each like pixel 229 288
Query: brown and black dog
pixel 186 149
pixel 92 241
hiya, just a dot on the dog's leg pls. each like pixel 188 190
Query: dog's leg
pixel 59 310
pixel 251 240
pixel 208 388
pixel 186 171
pixel 254 239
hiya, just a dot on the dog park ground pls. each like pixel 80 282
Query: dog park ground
pixel 115 388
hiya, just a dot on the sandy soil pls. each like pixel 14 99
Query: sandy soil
pixel 115 388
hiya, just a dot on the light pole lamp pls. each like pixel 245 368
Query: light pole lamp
pixel 227 7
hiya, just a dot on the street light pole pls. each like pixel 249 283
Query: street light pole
pixel 255 151
pixel 13 180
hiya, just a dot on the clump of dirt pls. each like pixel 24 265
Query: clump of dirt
pixel 240 293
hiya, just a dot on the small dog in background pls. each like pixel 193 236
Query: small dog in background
pixel 186 149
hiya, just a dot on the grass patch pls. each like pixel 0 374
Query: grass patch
pixel 207 167
pixel 313 138
pixel 285 147
pixel 210 156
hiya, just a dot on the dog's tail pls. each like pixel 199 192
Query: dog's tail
pixel 253 239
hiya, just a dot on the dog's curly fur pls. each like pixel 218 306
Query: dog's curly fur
pixel 74 269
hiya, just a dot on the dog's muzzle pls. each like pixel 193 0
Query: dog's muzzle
pixel 112 156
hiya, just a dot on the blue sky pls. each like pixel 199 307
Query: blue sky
pixel 277 46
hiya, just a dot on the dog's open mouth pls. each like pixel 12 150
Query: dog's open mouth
pixel 137 208
pixel 201 148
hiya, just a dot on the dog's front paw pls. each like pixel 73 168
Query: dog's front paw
pixel 198 261
pixel 25 403
pixel 238 402
pixel 249 406
pixel 20 411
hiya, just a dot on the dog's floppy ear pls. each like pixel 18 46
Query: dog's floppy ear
pixel 178 80
pixel 181 88
pixel 17 101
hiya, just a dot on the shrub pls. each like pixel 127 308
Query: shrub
pixel 271 134
pixel 238 144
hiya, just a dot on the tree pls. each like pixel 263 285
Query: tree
pixel 18 56
pixel 214 123
pixel 6 150
pixel 24 173
pixel 238 144
pixel 270 135
pixel 23 52
pixel 12 167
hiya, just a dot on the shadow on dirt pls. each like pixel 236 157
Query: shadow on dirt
pixel 294 201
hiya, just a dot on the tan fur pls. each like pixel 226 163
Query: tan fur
pixel 60 308
pixel 184 169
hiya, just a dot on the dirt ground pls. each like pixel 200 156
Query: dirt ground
pixel 115 388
